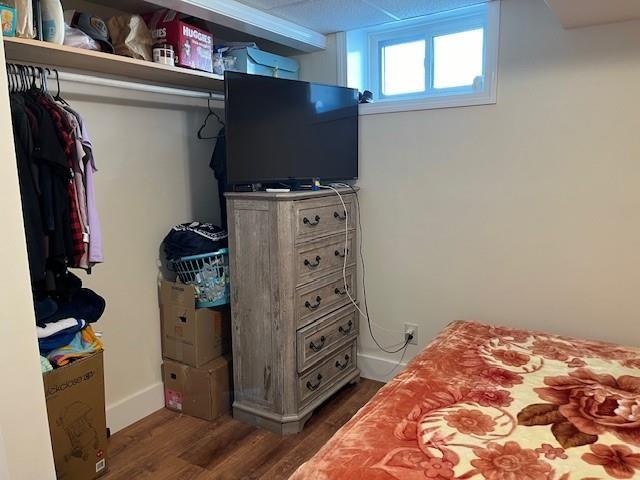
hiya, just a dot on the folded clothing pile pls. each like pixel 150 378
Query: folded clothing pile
pixel 64 327
pixel 84 343
pixel 193 238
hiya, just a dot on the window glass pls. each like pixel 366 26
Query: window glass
pixel 457 58
pixel 402 66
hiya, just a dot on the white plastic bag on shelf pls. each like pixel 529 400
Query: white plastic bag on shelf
pixel 24 17
pixel 74 37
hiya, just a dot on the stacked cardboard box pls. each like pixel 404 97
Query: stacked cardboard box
pixel 195 347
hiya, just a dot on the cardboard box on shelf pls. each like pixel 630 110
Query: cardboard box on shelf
pixel 77 424
pixel 203 392
pixel 191 335
pixel 192 45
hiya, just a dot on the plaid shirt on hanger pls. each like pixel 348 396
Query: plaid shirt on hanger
pixel 65 134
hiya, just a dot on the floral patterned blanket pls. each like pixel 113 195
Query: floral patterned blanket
pixel 485 402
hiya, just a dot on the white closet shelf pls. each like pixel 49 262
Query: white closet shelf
pixel 20 50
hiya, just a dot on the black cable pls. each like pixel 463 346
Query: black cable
pixel 364 285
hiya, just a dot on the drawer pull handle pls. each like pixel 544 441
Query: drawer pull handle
pixel 340 217
pixel 342 366
pixel 314 386
pixel 340 254
pixel 317 347
pixel 313 265
pixel 311 223
pixel 313 306
pixel 346 331
pixel 343 291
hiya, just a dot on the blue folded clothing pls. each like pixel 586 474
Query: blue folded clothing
pixel 60 339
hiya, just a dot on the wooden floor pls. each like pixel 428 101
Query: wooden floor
pixel 170 446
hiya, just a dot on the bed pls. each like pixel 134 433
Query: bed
pixel 486 402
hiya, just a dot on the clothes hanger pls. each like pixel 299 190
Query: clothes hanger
pixel 27 78
pixel 13 77
pixel 210 114
pixel 24 80
pixel 16 78
pixel 10 77
pixel 31 71
pixel 43 80
pixel 57 96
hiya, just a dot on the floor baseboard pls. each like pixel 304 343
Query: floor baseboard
pixel 377 368
pixel 135 407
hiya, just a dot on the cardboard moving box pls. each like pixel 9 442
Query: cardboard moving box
pixel 77 424
pixel 203 392
pixel 192 335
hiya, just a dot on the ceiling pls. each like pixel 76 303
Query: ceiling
pixel 581 13
pixel 328 16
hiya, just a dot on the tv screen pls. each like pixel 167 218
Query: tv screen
pixel 285 130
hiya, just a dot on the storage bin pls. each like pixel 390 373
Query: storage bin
pixel 209 273
pixel 252 60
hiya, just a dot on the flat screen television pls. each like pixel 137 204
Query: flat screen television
pixel 288 131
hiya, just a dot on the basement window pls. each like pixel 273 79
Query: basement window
pixel 448 59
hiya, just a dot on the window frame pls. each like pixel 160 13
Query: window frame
pixel 484 16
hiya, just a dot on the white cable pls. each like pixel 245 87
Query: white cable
pixel 344 267
pixel 396 366
pixel 346 249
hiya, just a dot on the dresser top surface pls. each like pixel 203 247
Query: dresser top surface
pixel 288 196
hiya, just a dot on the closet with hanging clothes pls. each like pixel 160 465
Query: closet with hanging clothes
pixel 56 167
pixel 76 273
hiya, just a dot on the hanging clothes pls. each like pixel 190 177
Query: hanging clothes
pixel 218 164
pixel 56 168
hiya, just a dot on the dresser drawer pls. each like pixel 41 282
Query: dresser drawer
pixel 325 295
pixel 322 217
pixel 319 339
pixel 319 379
pixel 319 258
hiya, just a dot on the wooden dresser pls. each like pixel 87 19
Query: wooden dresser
pixel 294 329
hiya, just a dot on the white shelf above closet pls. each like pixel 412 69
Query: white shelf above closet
pixel 20 50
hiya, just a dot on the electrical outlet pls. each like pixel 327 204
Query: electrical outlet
pixel 411 329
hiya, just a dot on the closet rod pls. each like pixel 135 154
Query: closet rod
pixel 141 87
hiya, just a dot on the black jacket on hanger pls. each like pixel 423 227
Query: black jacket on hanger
pixel 219 166
pixel 34 230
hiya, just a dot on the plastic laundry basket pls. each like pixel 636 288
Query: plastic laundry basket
pixel 209 273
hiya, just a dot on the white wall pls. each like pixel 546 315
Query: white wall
pixel 320 66
pixel 523 213
pixel 25 448
pixel 153 173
